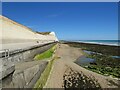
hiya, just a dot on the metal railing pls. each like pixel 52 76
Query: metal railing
pixel 4 53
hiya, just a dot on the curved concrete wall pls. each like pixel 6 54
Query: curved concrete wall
pixel 13 32
pixel 26 76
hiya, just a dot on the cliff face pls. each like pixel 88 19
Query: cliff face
pixel 13 32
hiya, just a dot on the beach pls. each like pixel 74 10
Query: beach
pixel 65 65
pixel 63 44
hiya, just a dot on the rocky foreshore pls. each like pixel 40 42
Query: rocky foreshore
pixel 66 74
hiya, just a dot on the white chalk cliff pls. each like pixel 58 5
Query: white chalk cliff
pixel 13 33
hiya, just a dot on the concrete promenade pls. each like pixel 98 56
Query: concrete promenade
pixel 68 55
pixel 20 70
pixel 15 46
pixel 20 44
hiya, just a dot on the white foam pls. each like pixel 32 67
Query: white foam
pixel 115 44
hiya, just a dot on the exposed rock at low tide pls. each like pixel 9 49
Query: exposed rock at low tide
pixel 74 79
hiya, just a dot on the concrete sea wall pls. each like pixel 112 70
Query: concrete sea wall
pixel 19 70
pixel 25 76
pixel 18 46
pixel 8 63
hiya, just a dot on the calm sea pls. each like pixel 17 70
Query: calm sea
pixel 103 42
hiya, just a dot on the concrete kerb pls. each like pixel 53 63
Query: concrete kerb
pixel 53 57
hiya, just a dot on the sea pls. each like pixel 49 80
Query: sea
pixel 102 42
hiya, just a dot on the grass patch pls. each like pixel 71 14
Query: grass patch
pixel 46 54
pixel 43 78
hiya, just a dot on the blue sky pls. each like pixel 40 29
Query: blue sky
pixel 70 21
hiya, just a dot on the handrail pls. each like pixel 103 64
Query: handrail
pixel 6 52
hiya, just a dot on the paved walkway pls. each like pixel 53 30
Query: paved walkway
pixel 67 56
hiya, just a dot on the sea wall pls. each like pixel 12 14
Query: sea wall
pixel 27 55
pixel 25 76
pixel 19 45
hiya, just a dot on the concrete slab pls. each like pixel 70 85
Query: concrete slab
pixel 26 74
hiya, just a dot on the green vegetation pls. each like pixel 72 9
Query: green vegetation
pixel 115 72
pixel 104 64
pixel 43 78
pixel 43 33
pixel 46 54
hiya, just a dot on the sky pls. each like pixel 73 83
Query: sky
pixel 70 21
